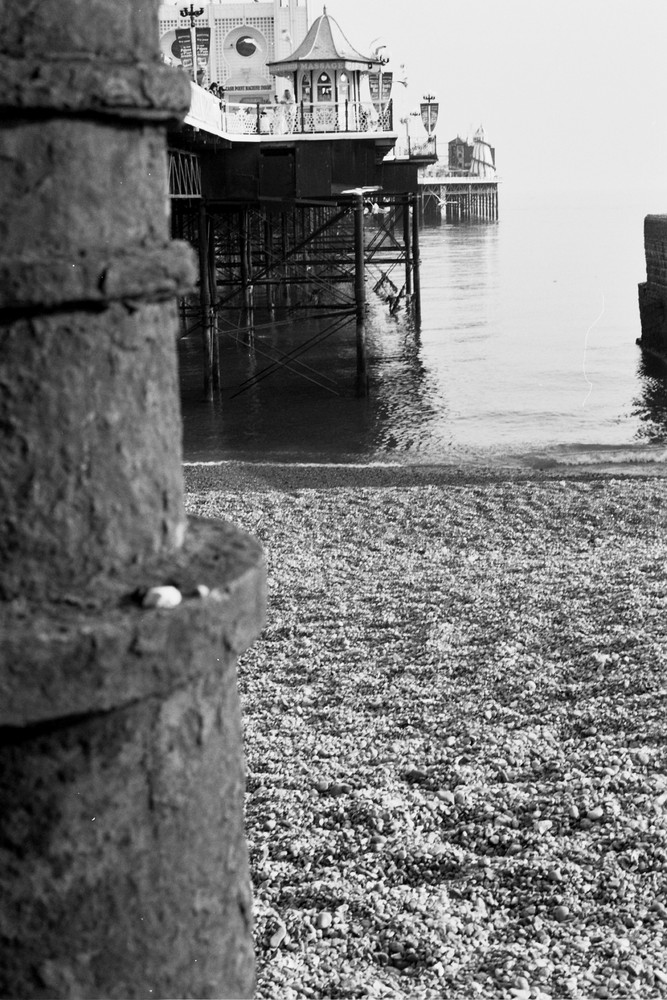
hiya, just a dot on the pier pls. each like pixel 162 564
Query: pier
pixel 295 205
pixel 464 190
pixel 457 199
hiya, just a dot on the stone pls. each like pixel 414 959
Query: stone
pixel 162 597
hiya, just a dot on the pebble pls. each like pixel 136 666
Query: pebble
pixel 336 789
pixel 203 590
pixel 324 920
pixel 162 597
pixel 537 740
pixel 596 813
pixel 278 937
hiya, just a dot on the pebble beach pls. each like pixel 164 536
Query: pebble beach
pixel 455 728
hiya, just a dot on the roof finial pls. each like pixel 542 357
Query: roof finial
pixel 324 11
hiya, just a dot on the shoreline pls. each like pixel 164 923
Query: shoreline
pixel 236 474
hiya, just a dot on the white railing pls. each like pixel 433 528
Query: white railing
pixel 415 149
pixel 304 119
pixel 205 111
pixel 209 113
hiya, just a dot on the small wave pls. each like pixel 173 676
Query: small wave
pixel 596 456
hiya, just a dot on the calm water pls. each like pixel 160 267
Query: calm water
pixel 526 353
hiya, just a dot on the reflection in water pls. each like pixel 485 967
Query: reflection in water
pixel 527 347
pixel 651 407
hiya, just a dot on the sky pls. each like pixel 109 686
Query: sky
pixel 572 94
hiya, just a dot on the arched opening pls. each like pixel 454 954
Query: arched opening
pixel 324 89
pixel 306 89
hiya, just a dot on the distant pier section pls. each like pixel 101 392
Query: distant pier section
pixel 466 188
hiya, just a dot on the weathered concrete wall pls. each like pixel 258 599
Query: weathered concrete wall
pixel 653 292
pixel 83 222
pixel 124 866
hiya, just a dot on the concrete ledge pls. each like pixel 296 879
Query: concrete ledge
pixel 96 277
pixel 142 92
pixel 97 649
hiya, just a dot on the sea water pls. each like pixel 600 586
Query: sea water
pixel 526 354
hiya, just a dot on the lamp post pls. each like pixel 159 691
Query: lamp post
pixel 406 121
pixel 193 15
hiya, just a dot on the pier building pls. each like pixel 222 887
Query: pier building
pixel 236 41
pixel 274 191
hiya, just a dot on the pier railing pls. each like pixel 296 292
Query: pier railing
pixel 305 118
pixel 411 148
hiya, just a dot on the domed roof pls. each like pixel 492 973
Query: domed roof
pixel 325 43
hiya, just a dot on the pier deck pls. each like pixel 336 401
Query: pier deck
pixel 455 198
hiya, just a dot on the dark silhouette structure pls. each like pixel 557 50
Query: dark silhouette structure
pixel 123 867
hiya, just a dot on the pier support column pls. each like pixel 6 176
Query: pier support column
pixel 416 278
pixel 360 294
pixel 205 300
pixel 213 295
pixel 246 270
pixel 124 866
pixel 407 242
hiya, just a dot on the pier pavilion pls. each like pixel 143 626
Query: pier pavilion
pixel 466 189
pixel 274 194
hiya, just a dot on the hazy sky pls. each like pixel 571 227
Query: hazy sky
pixel 572 93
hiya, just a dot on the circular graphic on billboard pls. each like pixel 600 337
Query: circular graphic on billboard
pixel 246 46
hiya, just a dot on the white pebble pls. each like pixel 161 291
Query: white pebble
pixel 162 597
pixel 278 937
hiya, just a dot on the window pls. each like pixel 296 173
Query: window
pixel 324 87
pixel 343 87
pixel 306 90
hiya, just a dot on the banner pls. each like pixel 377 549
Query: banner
pixel 203 46
pixel 185 54
pixel 387 81
pixel 380 87
pixel 429 115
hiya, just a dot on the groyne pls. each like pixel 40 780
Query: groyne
pixel 653 291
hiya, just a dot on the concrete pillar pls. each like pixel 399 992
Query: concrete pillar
pixel 124 868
